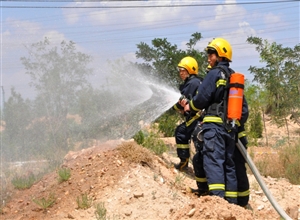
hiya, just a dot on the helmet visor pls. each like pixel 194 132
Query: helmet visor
pixel 181 69
pixel 210 50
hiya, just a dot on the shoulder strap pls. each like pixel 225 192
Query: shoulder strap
pixel 227 73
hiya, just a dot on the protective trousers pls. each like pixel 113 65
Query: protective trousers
pixel 241 174
pixel 218 151
pixel 183 135
pixel 200 176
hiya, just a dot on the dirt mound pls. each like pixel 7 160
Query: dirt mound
pixel 133 183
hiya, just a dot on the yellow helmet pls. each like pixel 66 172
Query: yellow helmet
pixel 222 47
pixel 190 64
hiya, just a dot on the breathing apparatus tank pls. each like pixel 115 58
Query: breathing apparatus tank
pixel 235 97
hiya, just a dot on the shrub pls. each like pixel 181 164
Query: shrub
pixel 45 203
pixel 270 165
pixel 155 144
pixel 151 140
pixel 139 137
pixel 290 157
pixel 285 163
pixel 135 153
pixel 84 202
pixel 100 211
pixel 23 182
pixel 63 174
pixel 255 127
pixel 168 122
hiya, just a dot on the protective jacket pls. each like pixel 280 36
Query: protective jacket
pixel 184 131
pixel 188 89
pixel 211 90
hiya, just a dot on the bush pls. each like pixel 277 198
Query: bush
pixel 45 203
pixel 269 164
pixel 100 211
pixel 256 126
pixel 290 157
pixel 139 137
pixel 151 140
pixel 155 144
pixel 63 174
pixel 285 163
pixel 135 153
pixel 23 182
pixel 84 202
pixel 168 122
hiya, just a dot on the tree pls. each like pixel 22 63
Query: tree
pixel 57 75
pixel 256 98
pixel 162 59
pixel 17 117
pixel 280 78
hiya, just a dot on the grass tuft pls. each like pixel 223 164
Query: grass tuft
pixel 100 211
pixel 84 201
pixel 23 182
pixel 45 203
pixel 63 174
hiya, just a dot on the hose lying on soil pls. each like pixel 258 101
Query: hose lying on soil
pixel 260 181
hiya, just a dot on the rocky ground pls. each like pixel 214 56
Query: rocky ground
pixel 130 182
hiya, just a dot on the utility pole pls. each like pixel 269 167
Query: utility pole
pixel 2 97
pixel 2 101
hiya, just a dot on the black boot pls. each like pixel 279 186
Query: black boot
pixel 199 192
pixel 183 165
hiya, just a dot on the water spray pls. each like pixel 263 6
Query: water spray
pixel 144 99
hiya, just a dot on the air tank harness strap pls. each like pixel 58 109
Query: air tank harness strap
pixel 189 122
pixel 236 85
pixel 216 109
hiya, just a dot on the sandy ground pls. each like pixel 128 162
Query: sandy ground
pixel 141 187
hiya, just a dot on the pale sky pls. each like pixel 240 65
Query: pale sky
pixel 112 29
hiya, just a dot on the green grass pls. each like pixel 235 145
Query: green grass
pixel 84 201
pixel 63 174
pixel 23 182
pixel 45 203
pixel 290 158
pixel 155 144
pixel 100 211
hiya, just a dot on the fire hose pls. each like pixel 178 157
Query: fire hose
pixel 260 181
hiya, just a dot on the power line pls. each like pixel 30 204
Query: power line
pixel 146 6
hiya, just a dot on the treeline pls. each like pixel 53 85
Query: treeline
pixel 68 113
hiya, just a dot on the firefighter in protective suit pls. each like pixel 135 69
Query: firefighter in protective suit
pixel 243 192
pixel 218 133
pixel 188 70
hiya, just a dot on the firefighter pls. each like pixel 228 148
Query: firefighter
pixel 218 134
pixel 240 163
pixel 188 71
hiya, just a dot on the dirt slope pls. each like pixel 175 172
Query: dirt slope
pixel 135 184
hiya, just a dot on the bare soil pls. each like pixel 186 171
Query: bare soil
pixel 133 183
